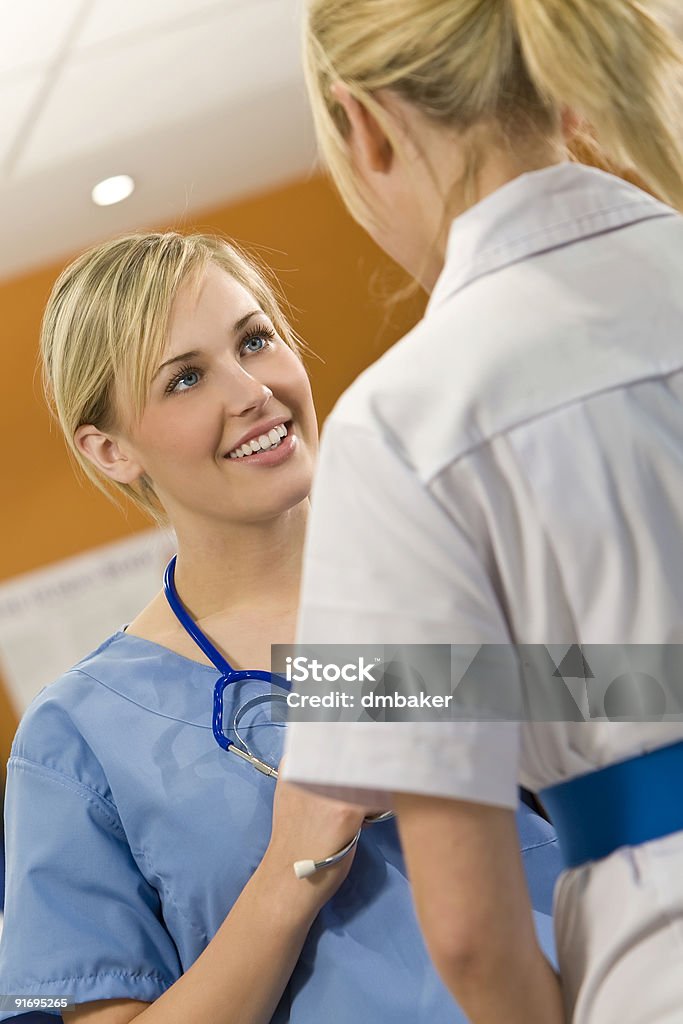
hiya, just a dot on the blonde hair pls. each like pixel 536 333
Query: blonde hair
pixel 105 328
pixel 513 63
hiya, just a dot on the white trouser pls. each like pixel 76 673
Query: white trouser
pixel 619 933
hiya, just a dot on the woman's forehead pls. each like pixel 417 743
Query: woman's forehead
pixel 213 296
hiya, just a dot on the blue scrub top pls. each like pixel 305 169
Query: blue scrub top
pixel 130 834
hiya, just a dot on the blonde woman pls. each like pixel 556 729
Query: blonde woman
pixel 512 472
pixel 150 874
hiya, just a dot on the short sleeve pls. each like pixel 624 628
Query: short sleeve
pixel 385 563
pixel 80 918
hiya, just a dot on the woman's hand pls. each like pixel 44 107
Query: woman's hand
pixel 309 827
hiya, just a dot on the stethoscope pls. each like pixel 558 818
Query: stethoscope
pixel 240 748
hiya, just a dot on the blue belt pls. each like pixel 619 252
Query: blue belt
pixel 625 804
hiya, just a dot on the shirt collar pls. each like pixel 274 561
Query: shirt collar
pixel 533 213
pixel 160 680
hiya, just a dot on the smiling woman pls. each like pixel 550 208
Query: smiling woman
pixel 150 874
pixel 239 380
pixel 112 360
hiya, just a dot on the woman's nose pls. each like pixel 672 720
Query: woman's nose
pixel 245 393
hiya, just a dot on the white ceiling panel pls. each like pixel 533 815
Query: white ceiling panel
pixel 17 96
pixel 107 21
pixel 195 167
pixel 201 101
pixel 33 31
pixel 102 96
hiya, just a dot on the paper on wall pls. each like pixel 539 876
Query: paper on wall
pixel 53 617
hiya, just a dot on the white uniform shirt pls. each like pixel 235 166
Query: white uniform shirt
pixel 510 471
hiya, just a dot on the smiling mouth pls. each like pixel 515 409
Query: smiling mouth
pixel 263 443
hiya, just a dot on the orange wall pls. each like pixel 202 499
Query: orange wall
pixel 329 271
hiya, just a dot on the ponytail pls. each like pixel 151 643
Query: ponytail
pixel 618 68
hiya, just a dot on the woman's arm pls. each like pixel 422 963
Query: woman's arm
pixel 472 902
pixel 242 973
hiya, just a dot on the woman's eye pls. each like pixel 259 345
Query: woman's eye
pixel 258 340
pixel 255 344
pixel 188 378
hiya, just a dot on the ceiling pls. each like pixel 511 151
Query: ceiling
pixel 200 102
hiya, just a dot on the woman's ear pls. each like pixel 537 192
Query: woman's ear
pixel 107 455
pixel 370 147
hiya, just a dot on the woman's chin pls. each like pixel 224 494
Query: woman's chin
pixel 282 501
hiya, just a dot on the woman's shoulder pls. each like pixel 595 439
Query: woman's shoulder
pixel 62 687
pixel 51 741
pixel 62 721
pixel 110 700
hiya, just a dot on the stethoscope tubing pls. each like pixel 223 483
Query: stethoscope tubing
pixel 229 675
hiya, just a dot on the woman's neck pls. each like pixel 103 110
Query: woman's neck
pixel 497 165
pixel 242 568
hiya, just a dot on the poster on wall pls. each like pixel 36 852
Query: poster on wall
pixel 53 617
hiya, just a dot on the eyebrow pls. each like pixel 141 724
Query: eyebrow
pixel 236 328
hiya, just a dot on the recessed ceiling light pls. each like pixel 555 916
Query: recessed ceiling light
pixel 112 190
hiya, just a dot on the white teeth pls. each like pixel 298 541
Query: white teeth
pixel 270 440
